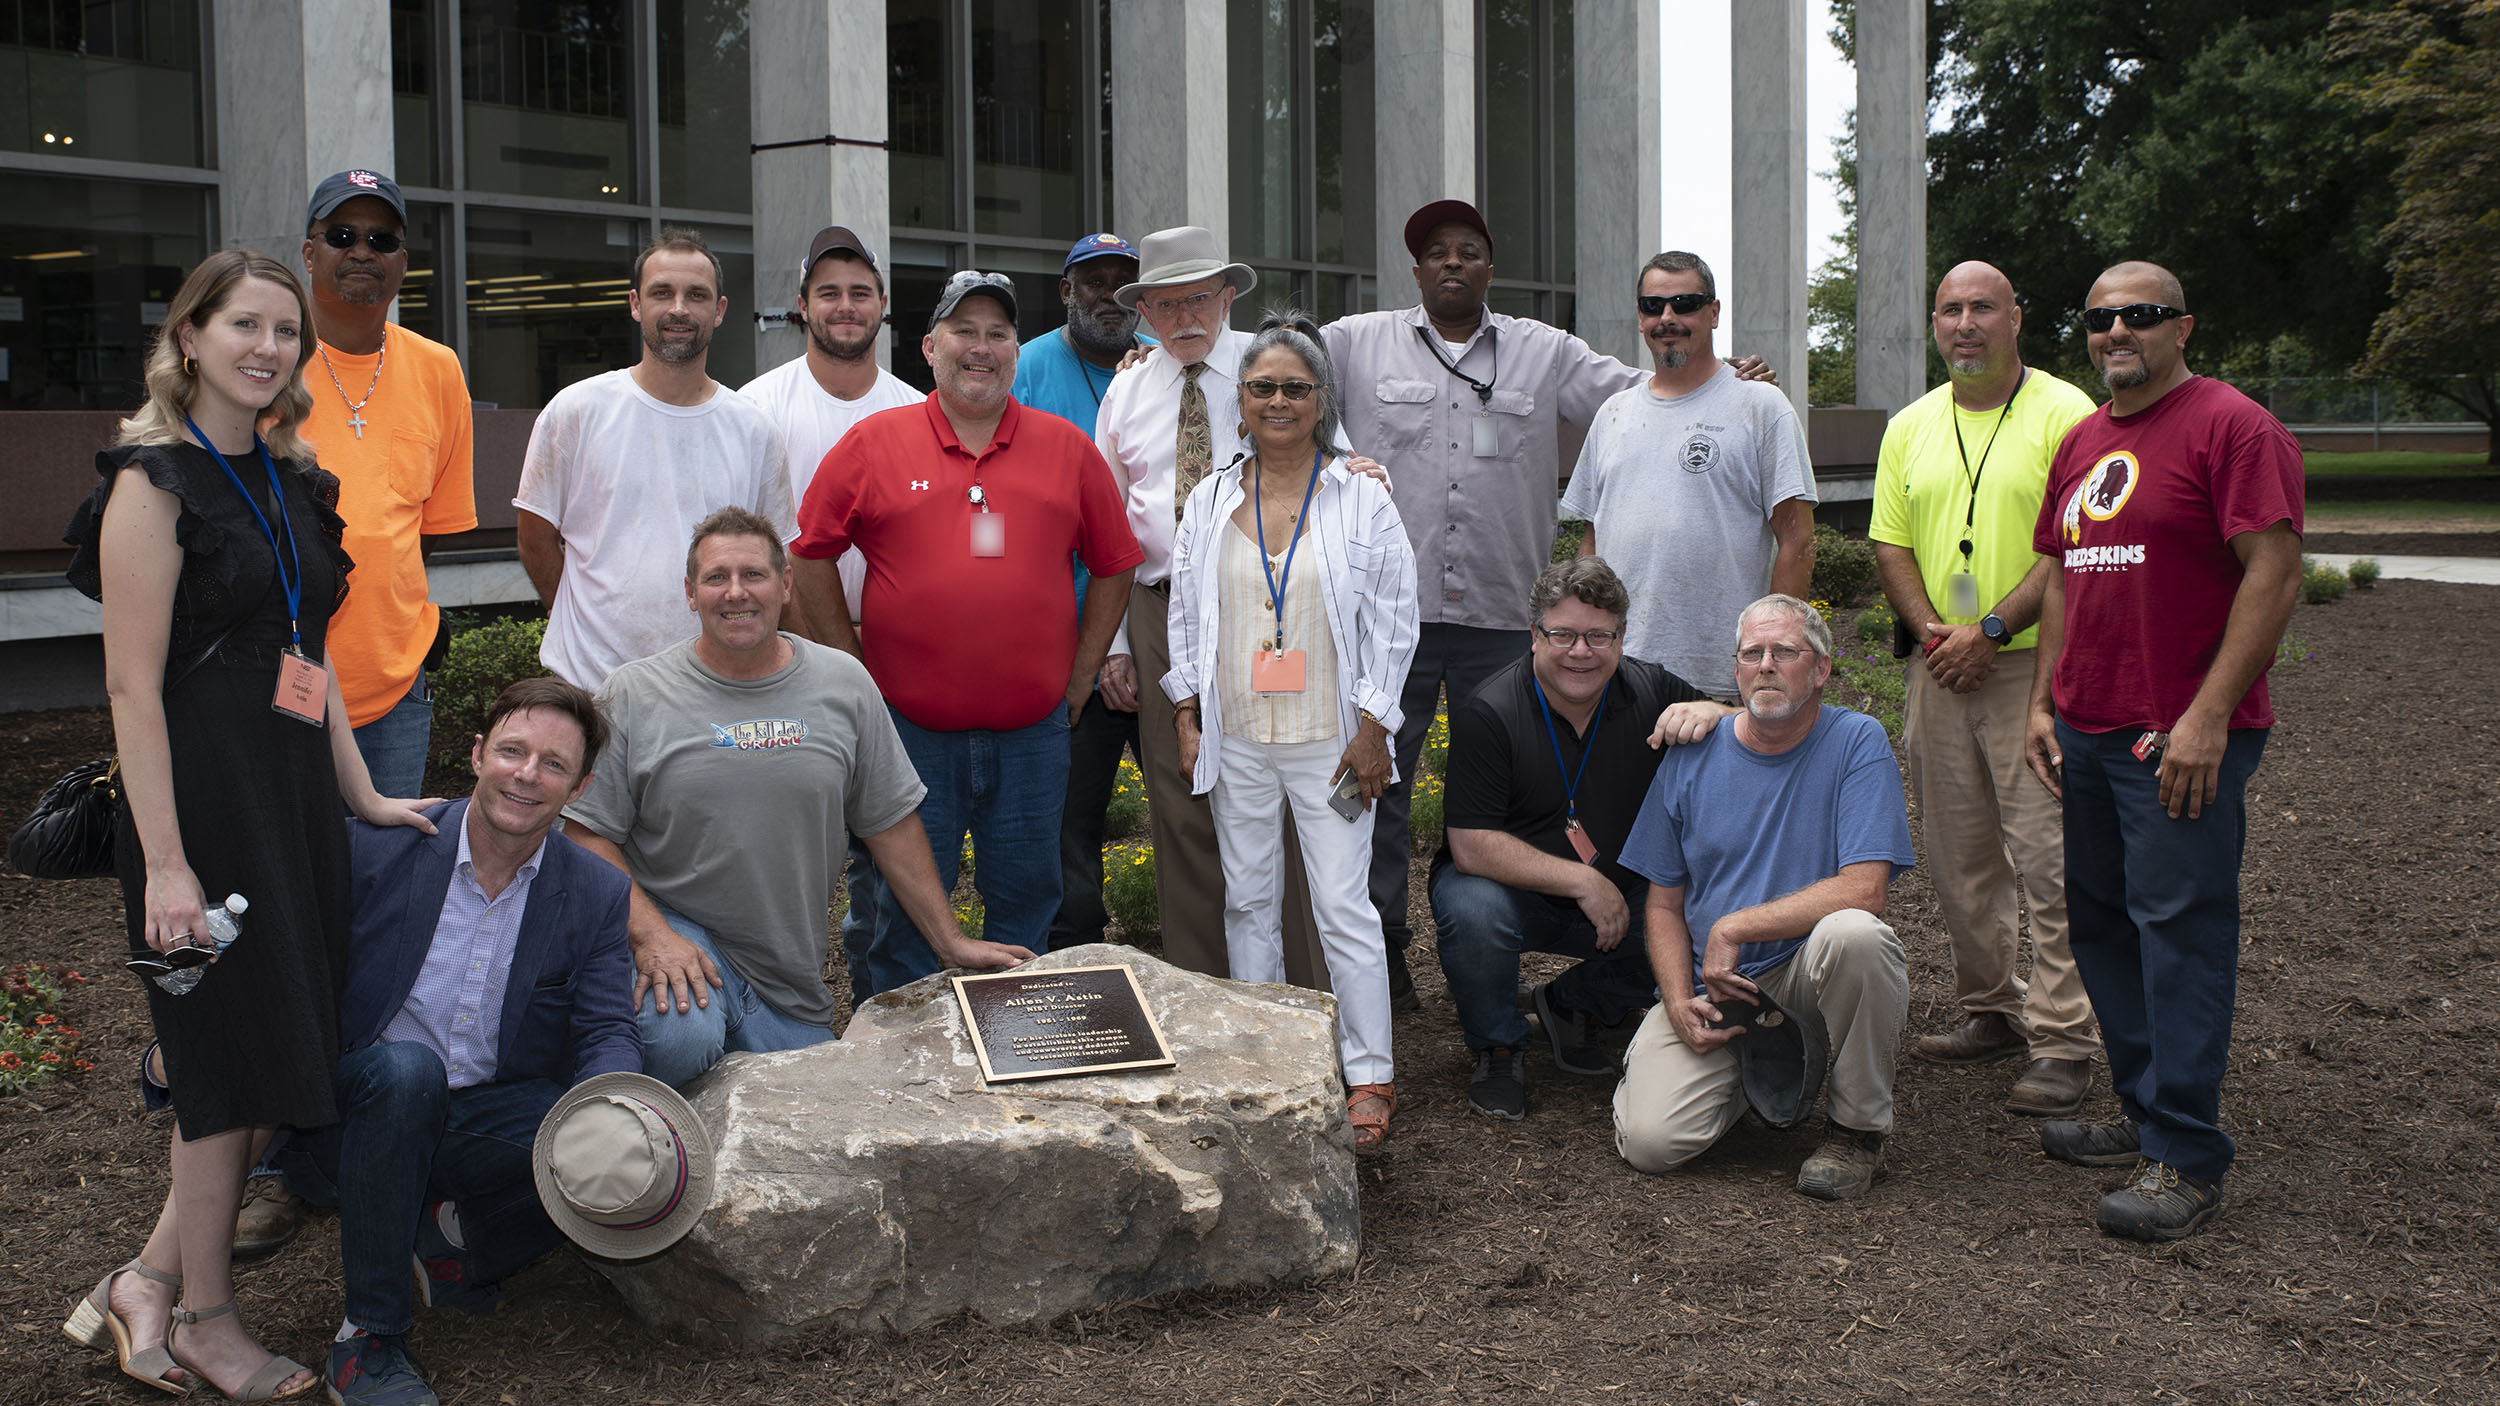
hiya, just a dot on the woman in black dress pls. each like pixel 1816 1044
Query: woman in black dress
pixel 216 555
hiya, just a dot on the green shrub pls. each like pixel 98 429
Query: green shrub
pixel 36 1044
pixel 2363 573
pixel 1871 681
pixel 2321 585
pixel 1125 816
pixel 480 664
pixel 1875 625
pixel 1844 569
pixel 1567 541
pixel 1128 887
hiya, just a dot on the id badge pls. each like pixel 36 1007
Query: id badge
pixel 989 535
pixel 1276 671
pixel 1488 438
pixel 303 689
pixel 1961 594
pixel 1581 844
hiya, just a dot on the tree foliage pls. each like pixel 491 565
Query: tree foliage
pixel 2433 75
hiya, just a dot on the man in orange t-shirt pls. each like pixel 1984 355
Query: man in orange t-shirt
pixel 390 417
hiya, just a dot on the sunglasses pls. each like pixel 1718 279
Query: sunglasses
pixel 381 241
pixel 1263 389
pixel 2136 315
pixel 1685 304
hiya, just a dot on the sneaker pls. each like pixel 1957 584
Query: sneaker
pixel 1500 1088
pixel 1845 1167
pixel 1576 1050
pixel 2159 1202
pixel 2114 1143
pixel 369 1370
pixel 269 1217
pixel 444 1278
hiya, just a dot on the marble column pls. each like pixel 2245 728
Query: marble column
pixel 1892 202
pixel 1424 124
pixel 1615 131
pixel 303 90
pixel 1765 287
pixel 1169 107
pixel 816 70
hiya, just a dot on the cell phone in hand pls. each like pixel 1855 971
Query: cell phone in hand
pixel 1347 799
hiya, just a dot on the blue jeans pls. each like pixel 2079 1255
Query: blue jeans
pixel 2155 908
pixel 678 1046
pixel 405 1138
pixel 1485 925
pixel 1465 656
pixel 394 745
pixel 1006 790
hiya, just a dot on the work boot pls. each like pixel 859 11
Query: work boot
pixel 1845 1167
pixel 2159 1202
pixel 269 1217
pixel 2116 1142
pixel 2051 1088
pixel 1983 1037
pixel 1500 1087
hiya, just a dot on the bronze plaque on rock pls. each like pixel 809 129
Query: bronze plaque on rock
pixel 1047 1024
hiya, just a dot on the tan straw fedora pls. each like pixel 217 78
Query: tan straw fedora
pixel 1168 258
pixel 624 1167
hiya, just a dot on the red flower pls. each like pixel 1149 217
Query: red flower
pixel 8 1060
pixel 47 1018
pixel 49 1057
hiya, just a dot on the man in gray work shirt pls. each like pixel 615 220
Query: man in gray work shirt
pixel 1464 406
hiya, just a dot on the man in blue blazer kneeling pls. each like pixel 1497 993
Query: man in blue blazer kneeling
pixel 487 973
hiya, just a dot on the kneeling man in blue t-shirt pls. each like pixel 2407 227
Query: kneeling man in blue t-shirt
pixel 1769 848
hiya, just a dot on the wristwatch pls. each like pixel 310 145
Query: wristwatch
pixel 1995 630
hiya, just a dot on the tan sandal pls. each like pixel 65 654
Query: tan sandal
pixel 1368 1107
pixel 93 1323
pixel 263 1385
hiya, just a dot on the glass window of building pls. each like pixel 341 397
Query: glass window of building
pixel 917 107
pixel 1300 139
pixel 111 80
pixel 87 268
pixel 704 116
pixel 1524 153
pixel 416 70
pixel 423 306
pixel 546 89
pixel 546 299
pixel 1025 119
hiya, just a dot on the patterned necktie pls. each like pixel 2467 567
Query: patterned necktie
pixel 1193 453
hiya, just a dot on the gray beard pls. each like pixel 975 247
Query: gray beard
pixel 1088 335
pixel 1968 368
pixel 691 349
pixel 1673 358
pixel 2127 380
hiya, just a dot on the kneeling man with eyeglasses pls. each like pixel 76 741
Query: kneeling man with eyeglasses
pixel 1769 848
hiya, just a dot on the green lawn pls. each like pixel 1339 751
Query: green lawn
pixel 2397 463
pixel 2322 517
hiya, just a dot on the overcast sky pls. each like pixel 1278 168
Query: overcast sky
pixel 1694 62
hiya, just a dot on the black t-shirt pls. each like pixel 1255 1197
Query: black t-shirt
pixel 1503 776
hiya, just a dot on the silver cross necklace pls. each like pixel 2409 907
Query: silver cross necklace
pixel 356 408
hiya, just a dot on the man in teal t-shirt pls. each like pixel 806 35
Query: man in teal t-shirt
pixel 1957 490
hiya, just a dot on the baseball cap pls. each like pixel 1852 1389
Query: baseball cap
pixel 835 239
pixel 1098 246
pixel 335 191
pixel 970 283
pixel 1421 224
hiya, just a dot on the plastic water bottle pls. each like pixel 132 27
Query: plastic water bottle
pixel 224 926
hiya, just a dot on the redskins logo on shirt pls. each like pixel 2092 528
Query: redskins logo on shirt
pixel 2103 492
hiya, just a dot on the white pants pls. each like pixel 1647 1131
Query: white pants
pixel 1254 784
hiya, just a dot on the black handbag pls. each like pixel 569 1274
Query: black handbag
pixel 69 835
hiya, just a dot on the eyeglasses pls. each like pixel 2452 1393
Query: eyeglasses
pixel 1195 304
pixel 2136 315
pixel 1752 655
pixel 1264 389
pixel 1594 639
pixel 1685 304
pixel 381 241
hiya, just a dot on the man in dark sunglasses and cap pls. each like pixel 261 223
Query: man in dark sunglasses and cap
pixel 2172 519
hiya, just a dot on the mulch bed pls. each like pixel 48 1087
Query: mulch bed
pixel 2406 544
pixel 2358 1258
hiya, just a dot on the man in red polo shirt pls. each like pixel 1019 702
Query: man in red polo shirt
pixel 966 508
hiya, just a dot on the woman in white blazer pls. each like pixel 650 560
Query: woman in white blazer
pixel 1293 623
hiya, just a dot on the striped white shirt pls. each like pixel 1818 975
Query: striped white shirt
pixel 456 1007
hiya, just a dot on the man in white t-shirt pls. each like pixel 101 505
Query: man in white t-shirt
pixel 815 399
pixel 1698 481
pixel 622 466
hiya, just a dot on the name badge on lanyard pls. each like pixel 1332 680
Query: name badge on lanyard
pixel 989 529
pixel 1274 668
pixel 1488 437
pixel 1581 844
pixel 303 689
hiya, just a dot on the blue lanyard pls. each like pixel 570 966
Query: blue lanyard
pixel 1258 515
pixel 1571 793
pixel 290 582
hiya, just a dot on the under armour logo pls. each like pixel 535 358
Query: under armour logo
pixel 919 484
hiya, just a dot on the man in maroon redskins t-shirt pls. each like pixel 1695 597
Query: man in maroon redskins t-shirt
pixel 2174 515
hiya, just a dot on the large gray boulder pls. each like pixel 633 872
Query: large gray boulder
pixel 875 1182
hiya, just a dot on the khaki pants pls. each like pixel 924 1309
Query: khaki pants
pixel 1980 806
pixel 1189 876
pixel 1674 1103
